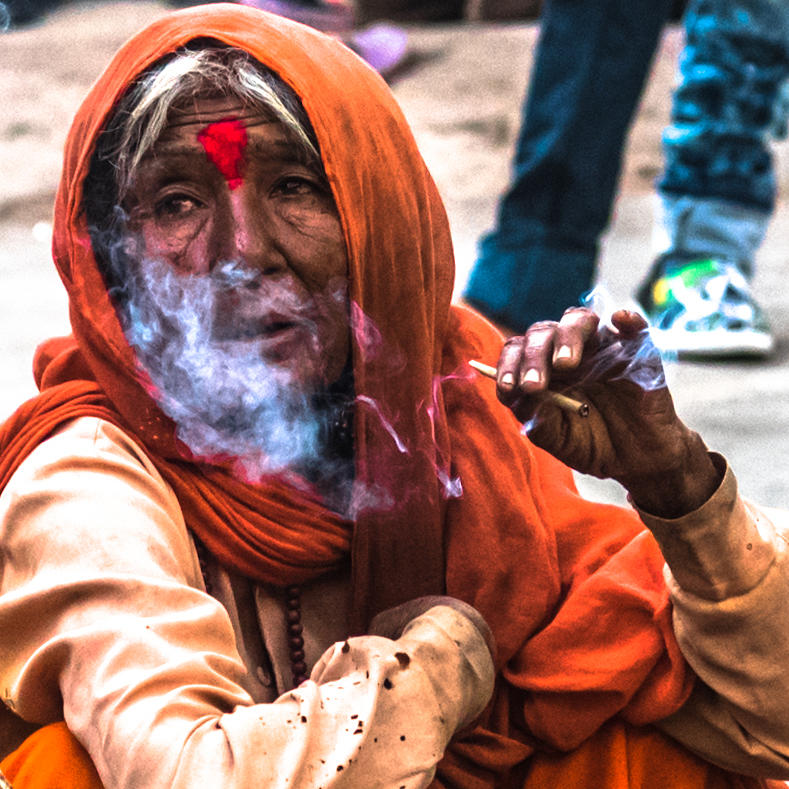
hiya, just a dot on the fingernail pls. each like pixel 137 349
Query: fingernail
pixel 507 380
pixel 564 352
pixel 531 376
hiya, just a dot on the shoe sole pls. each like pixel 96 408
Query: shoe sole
pixel 723 344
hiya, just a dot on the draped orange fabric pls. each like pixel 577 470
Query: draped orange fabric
pixel 51 758
pixel 621 756
pixel 572 590
pixel 270 532
pixel 617 756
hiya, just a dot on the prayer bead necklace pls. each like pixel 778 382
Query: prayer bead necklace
pixel 295 634
pixel 295 630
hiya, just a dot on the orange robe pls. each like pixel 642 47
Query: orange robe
pixel 544 560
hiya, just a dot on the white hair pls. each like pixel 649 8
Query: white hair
pixel 143 113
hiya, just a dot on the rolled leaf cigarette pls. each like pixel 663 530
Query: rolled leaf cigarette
pixel 567 403
pixel 483 369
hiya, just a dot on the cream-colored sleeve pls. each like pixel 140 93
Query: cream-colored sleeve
pixel 100 585
pixel 728 574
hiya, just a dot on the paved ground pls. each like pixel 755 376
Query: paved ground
pixel 462 96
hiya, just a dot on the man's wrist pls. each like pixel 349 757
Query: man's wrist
pixel 679 490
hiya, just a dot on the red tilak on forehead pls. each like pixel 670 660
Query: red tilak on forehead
pixel 224 142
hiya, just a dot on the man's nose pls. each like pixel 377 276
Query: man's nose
pixel 253 239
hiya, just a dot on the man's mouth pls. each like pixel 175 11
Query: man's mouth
pixel 248 331
pixel 269 328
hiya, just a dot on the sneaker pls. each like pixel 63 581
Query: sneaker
pixel 704 308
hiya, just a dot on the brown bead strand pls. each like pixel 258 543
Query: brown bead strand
pixel 292 616
pixel 295 634
pixel 202 559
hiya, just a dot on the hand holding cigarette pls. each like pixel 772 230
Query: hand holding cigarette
pixel 630 433
pixel 567 403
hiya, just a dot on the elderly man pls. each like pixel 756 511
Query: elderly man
pixel 264 526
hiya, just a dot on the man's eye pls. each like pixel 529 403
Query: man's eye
pixel 176 206
pixel 295 186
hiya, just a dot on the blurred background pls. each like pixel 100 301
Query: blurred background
pixel 461 85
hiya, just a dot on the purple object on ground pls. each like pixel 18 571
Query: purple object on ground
pixel 328 17
pixel 383 46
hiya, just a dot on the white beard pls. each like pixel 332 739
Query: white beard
pixel 224 403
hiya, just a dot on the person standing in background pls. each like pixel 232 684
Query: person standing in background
pixel 717 192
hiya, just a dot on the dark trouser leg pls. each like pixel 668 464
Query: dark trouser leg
pixel 735 59
pixel 718 188
pixel 592 60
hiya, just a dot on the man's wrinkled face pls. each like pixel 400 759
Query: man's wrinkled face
pixel 225 195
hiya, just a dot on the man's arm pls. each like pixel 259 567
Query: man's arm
pixel 728 570
pixel 101 585
pixel 728 575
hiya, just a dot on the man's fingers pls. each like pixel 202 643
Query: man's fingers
pixel 574 330
pixel 509 366
pixel 628 323
pixel 525 363
pixel 537 352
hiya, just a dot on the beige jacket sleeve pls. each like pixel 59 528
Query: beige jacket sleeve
pixel 112 631
pixel 728 575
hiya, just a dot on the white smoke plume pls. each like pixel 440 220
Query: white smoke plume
pixel 231 404
pixel 225 403
pixel 637 360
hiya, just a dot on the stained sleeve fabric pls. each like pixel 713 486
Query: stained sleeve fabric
pixel 115 634
pixel 728 576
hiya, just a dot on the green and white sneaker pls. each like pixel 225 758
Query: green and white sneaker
pixel 704 308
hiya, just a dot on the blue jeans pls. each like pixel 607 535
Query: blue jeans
pixel 592 59
pixel 718 188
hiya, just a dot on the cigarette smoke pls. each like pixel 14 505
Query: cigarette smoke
pixel 633 359
pixel 451 486
pixel 228 403
pixel 5 18
pixel 636 360
pixel 387 424
pixel 391 363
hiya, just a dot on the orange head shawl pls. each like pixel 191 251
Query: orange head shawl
pixel 573 591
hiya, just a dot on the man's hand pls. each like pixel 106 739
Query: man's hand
pixel 393 621
pixel 632 433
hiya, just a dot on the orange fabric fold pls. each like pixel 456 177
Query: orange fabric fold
pixel 572 590
pixel 50 758
pixel 271 532
pixel 617 756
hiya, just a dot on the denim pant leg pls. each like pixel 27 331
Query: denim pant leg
pixel 592 59
pixel 718 188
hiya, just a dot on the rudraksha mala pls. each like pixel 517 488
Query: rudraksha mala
pixel 295 634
